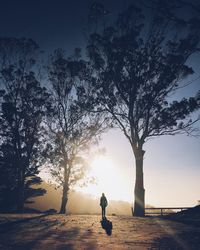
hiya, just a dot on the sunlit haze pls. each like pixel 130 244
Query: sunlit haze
pixel 109 179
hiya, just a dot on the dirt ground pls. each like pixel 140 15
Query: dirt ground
pixel 42 232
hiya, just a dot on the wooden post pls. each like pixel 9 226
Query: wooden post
pixel 132 210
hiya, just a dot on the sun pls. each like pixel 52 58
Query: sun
pixel 108 179
pixel 102 168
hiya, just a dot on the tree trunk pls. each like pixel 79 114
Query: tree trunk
pixel 64 199
pixel 20 198
pixel 139 203
pixel 20 191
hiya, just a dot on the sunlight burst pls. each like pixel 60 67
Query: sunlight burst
pixel 108 179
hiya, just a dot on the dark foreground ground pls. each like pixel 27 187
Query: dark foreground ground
pixel 42 232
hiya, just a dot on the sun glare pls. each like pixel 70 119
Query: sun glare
pixel 108 179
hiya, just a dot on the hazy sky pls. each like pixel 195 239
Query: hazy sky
pixel 172 164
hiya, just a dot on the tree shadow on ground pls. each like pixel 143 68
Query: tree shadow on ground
pixel 107 226
pixel 8 225
pixel 187 240
pixel 39 232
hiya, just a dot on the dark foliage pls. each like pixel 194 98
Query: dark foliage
pixel 23 105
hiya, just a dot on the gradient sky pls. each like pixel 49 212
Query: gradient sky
pixel 172 164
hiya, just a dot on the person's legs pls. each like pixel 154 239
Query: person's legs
pixel 103 212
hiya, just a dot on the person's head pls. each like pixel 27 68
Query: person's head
pixel 103 194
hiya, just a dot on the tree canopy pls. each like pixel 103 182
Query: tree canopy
pixel 71 129
pixel 136 66
pixel 23 106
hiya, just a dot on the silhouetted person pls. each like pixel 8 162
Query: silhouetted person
pixel 103 204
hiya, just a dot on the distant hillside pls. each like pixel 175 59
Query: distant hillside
pixel 78 203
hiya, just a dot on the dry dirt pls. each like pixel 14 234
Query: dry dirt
pixel 42 232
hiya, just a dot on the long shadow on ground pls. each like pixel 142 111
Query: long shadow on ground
pixel 10 224
pixel 186 241
pixel 107 226
pixel 43 231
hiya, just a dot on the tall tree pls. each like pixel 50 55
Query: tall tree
pixel 71 130
pixel 136 65
pixel 23 105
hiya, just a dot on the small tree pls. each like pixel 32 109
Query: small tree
pixel 23 106
pixel 136 66
pixel 71 130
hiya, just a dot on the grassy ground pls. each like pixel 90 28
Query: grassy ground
pixel 42 232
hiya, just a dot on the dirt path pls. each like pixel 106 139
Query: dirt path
pixel 86 232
